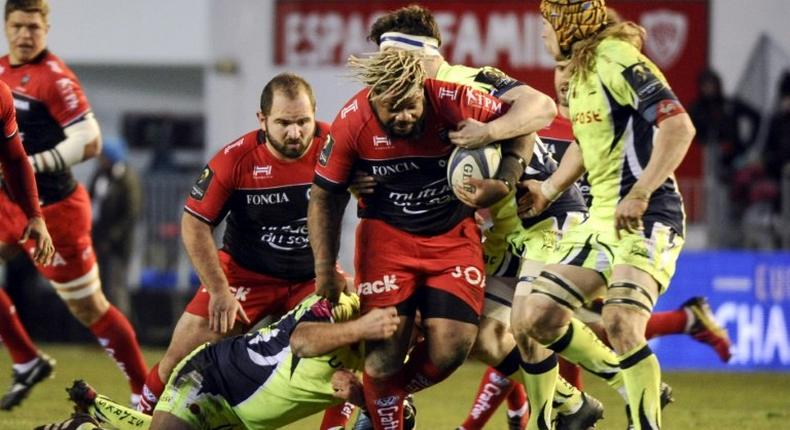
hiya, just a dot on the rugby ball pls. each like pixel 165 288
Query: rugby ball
pixel 481 163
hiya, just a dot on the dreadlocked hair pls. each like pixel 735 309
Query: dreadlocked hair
pixel 583 51
pixel 392 73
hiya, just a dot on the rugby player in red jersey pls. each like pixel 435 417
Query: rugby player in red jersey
pixel 19 182
pixel 260 184
pixel 58 130
pixel 418 247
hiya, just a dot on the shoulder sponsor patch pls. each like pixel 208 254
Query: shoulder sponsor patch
pixel 201 185
pixel 496 78
pixel 645 84
pixel 323 158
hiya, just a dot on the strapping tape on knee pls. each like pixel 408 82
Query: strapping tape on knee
pixel 558 289
pixel 627 293
pixel 90 282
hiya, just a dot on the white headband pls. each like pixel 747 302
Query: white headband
pixel 393 39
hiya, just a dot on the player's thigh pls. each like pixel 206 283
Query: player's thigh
pixel 190 332
pixel 385 357
pixel 449 341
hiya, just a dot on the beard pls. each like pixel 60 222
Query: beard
pixel 290 148
pixel 405 129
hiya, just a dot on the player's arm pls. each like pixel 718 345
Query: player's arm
pixel 311 339
pixel 324 218
pixel 530 110
pixel 540 194
pixel 21 183
pixel 82 142
pixel 655 102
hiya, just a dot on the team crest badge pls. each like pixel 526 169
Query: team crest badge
pixel 667 32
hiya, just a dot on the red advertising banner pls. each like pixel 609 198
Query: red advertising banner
pixel 504 33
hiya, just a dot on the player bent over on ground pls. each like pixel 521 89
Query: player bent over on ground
pixel 266 379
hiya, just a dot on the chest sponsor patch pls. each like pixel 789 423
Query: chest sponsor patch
pixel 201 185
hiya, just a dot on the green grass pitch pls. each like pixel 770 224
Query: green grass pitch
pixel 704 401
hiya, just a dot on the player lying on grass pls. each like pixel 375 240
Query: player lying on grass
pixel 265 379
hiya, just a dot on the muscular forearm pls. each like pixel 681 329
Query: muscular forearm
pixel 324 217
pixel 82 142
pixel 530 110
pixel 516 154
pixel 671 142
pixel 199 243
pixel 311 339
pixel 18 176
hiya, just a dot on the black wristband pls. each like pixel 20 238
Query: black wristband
pixel 518 158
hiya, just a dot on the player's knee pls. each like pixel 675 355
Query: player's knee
pixel 450 356
pixel 542 320
pixel 88 310
pixel 493 342
pixel 623 327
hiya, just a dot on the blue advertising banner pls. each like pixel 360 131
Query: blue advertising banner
pixel 750 294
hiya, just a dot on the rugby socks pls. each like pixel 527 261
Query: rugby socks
pixel 384 401
pixel 581 346
pixel 517 403
pixel 567 398
pixel 14 335
pixel 540 380
pixel 642 376
pixel 337 416
pixel 117 415
pixel 664 323
pixel 116 335
pixel 152 390
pixel 571 373
pixel 493 390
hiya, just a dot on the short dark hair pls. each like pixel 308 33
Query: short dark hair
pixel 288 83
pixel 415 20
pixel 40 6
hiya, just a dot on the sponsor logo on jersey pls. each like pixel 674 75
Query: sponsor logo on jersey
pixel 267 198
pixel 288 237
pixel 386 284
pixel 233 146
pixel 644 82
pixel 479 100
pixel 392 169
pixel 447 93
pixel 667 32
pixel 54 66
pixel 66 88
pixel 25 80
pixel 261 171
pixel 483 400
pixel 348 109
pixel 200 187
pixel 381 142
pixel 587 117
pixel 21 104
pixel 471 274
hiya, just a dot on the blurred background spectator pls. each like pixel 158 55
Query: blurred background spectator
pixel 116 195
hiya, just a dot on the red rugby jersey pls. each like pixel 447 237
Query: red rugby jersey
pixel 16 172
pixel 265 201
pixel 412 192
pixel 48 98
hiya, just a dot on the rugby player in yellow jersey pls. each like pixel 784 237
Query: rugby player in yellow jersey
pixel 632 134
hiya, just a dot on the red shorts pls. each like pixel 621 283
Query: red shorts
pixel 260 295
pixel 69 224
pixel 391 264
